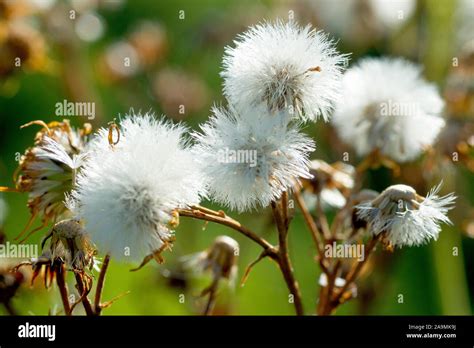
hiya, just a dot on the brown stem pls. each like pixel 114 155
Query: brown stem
pixel 274 253
pixel 82 292
pixel 212 290
pixel 327 291
pixel 100 284
pixel 280 213
pixel 315 233
pixel 209 211
pixel 204 214
pixel 61 282
pixel 9 308
pixel 323 221
pixel 351 276
pixel 210 303
pixel 339 218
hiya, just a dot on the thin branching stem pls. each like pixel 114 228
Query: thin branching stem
pixel 8 306
pixel 280 213
pixel 83 293
pixel 275 253
pixel 336 299
pixel 212 292
pixel 100 285
pixel 206 214
pixel 61 282
pixel 323 221
pixel 315 233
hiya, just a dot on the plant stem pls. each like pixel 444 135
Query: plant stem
pixel 315 233
pixel 61 282
pixel 82 293
pixel 280 213
pixel 323 221
pixel 327 291
pixel 280 254
pixel 100 284
pixel 210 303
pixel 206 214
pixel 212 290
pixel 9 308
pixel 335 300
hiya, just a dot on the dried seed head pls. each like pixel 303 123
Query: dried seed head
pixel 405 217
pixel 359 198
pixel 47 170
pixel 222 256
pixel 332 182
pixel 220 259
pixel 21 40
pixel 70 243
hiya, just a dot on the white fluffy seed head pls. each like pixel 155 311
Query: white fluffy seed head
pixel 250 159
pixel 285 67
pixel 126 194
pixel 388 106
pixel 407 218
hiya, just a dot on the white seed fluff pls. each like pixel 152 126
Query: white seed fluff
pixel 250 160
pixel 388 106
pixel 284 66
pixel 407 218
pixel 126 194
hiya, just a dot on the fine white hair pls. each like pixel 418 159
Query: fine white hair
pixel 388 106
pixel 126 194
pixel 250 158
pixel 408 219
pixel 285 67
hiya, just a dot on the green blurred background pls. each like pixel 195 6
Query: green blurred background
pixel 176 49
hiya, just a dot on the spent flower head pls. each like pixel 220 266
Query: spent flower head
pixel 331 183
pixel 47 170
pixel 70 243
pixel 220 259
pixel 406 218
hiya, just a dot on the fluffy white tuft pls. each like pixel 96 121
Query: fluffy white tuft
pixel 126 194
pixel 408 219
pixel 388 106
pixel 251 160
pixel 284 66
